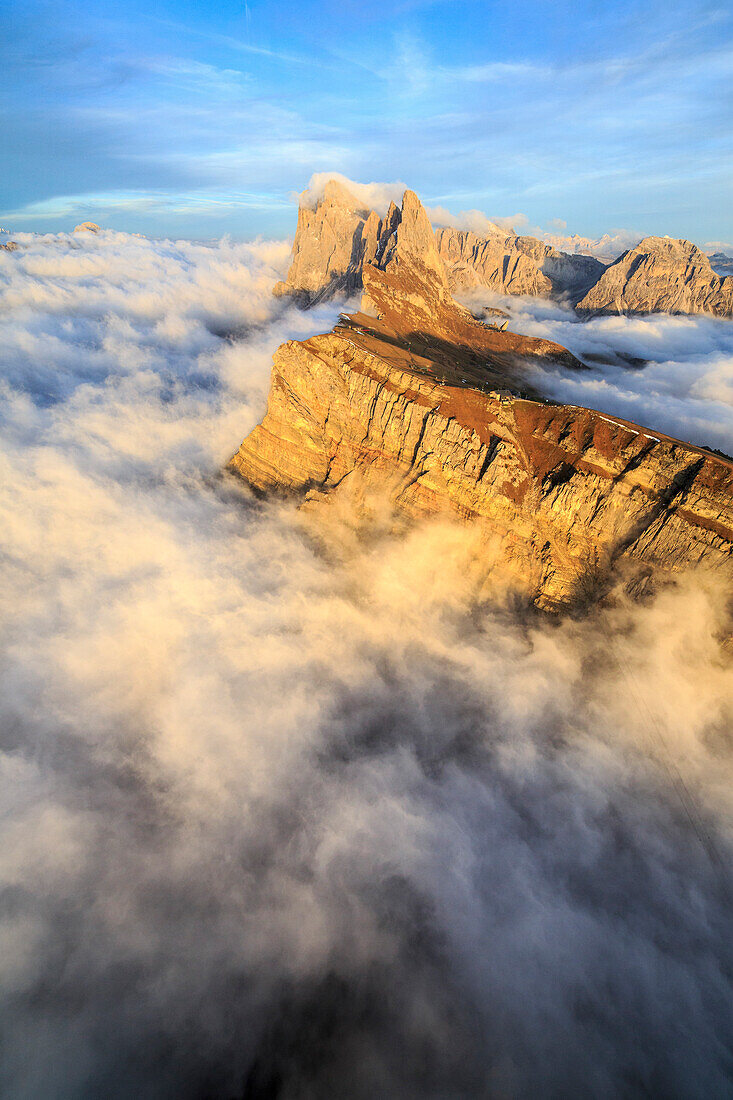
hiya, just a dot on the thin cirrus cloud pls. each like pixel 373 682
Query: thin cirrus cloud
pixel 623 131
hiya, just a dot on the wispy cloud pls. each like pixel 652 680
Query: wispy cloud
pixel 623 129
pixel 111 204
pixel 232 42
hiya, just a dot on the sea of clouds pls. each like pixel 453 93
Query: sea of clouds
pixel 282 823
pixel 673 374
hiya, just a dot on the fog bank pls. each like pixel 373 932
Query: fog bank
pixel 667 373
pixel 278 823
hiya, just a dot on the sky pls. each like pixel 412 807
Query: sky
pixel 202 119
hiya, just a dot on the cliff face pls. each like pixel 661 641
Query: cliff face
pixel 411 400
pixel 335 241
pixel 514 265
pixel 661 275
pixel 329 247
pixel 492 261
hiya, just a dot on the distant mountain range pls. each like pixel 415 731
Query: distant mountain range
pixel 339 236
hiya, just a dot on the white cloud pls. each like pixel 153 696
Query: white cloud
pixel 607 247
pixel 120 204
pixel 373 196
pixel 271 813
pixel 474 220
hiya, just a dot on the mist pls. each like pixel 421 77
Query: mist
pixel 301 816
pixel 672 374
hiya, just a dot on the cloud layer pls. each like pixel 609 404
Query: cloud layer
pixel 280 821
pixel 672 374
pixel 373 196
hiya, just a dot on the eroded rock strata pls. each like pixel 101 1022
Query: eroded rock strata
pixel 340 236
pixel 661 275
pixel 414 399
pixel 511 264
pixel 336 239
pixel 334 242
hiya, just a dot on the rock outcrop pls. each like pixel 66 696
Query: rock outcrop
pixel 417 400
pixel 514 265
pixel 327 251
pixel 661 275
pixel 334 242
pixel 489 261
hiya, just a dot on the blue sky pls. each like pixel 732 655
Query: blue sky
pixel 199 119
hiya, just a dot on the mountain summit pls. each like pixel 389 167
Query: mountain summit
pixel 335 240
pixel 661 275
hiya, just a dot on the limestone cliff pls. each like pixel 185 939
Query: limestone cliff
pixel 491 261
pixel 514 265
pixel 661 275
pixel 418 401
pixel 335 240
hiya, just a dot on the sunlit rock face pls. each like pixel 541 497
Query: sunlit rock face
pixel 337 238
pixel 413 399
pixel 515 265
pixel 661 275
pixel 335 241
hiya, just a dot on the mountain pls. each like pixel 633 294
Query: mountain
pixel 414 399
pixel 334 240
pixel 339 236
pixel 514 265
pixel 606 248
pixel 721 263
pixel 661 275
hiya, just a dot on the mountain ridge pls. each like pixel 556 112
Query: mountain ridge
pixel 414 400
pixel 339 235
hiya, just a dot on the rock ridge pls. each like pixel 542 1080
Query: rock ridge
pixel 661 275
pixel 339 238
pixel 413 399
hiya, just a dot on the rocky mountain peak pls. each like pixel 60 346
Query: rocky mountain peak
pixel 338 237
pixel 336 240
pixel 409 240
pixel 660 275
pixel 335 194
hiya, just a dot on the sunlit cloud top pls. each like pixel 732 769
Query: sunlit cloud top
pixel 203 119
